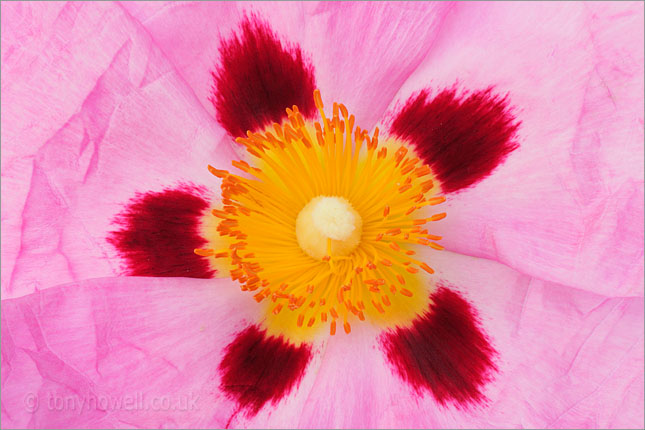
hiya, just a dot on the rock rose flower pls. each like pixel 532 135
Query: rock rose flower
pixel 322 215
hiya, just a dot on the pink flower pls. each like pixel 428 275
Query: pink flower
pixel 530 117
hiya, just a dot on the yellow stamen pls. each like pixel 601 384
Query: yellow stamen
pixel 323 220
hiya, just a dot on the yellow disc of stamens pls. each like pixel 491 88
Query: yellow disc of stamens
pixel 322 225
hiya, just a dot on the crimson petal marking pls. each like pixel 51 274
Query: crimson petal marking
pixel 160 231
pixel 257 368
pixel 463 138
pixel 444 351
pixel 258 78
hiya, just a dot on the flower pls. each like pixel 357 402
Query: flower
pixel 535 309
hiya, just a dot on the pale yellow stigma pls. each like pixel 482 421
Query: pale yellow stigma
pixel 328 226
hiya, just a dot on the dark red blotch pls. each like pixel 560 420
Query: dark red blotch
pixel 444 351
pixel 159 232
pixel 257 368
pixel 462 138
pixel 258 78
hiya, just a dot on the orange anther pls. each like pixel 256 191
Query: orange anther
pixel 412 269
pixel 332 328
pixel 204 252
pixel 217 172
pixel 404 188
pixel 379 236
pixel 242 165
pixel 311 321
pixel 386 300
pixel 407 169
pixel 347 327
pixel 395 246
pixel 378 306
pixel 437 217
pixel 401 279
pixel 277 309
pixel 422 171
pixel 405 292
pixel 219 214
pixel 436 200
pixel 436 246
pixel 333 313
pixel 427 186
pixel 427 268
pixel 393 231
pixel 301 319
pixel 323 316
pixel 318 99
pixel 386 262
pixel 386 211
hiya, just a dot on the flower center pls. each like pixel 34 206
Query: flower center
pixel 324 225
pixel 328 226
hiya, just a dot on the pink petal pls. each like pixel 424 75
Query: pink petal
pixel 116 352
pixel 444 351
pixel 258 369
pixel 121 121
pixel 463 138
pixel 258 77
pixel 160 232
pixel 143 352
pixel 355 47
pixel 364 51
pixel 567 206
pixel 190 33
pixel 567 358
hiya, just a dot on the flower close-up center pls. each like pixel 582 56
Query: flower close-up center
pixel 339 215
pixel 324 223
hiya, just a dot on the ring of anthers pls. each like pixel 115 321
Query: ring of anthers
pixel 323 225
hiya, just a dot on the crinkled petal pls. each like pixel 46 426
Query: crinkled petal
pixel 201 26
pixel 566 358
pixel 76 150
pixel 567 206
pixel 355 47
pixel 364 52
pixel 115 352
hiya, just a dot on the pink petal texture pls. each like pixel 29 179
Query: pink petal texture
pixel 567 359
pixel 567 206
pixel 355 47
pixel 89 119
pixel 113 339
pixel 125 352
